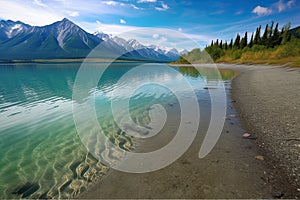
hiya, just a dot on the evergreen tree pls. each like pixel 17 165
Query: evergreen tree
pixel 286 35
pixel 244 41
pixel 231 44
pixel 221 44
pixel 271 30
pixel 289 36
pixel 282 31
pixel 226 46
pixel 264 39
pixel 237 41
pixel 212 43
pixel 276 36
pixel 251 41
pixel 257 39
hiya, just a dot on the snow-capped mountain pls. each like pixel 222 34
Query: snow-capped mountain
pixel 184 51
pixel 137 49
pixel 9 29
pixel 64 39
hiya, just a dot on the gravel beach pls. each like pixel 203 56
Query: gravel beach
pixel 267 101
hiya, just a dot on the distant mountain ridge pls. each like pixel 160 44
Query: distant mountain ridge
pixel 64 39
pixel 296 32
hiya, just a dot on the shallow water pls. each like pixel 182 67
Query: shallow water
pixel 42 155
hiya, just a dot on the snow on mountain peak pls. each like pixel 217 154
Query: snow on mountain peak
pixel 68 34
pixel 102 35
pixel 15 29
pixel 11 28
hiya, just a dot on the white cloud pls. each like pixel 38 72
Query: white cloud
pixel 135 7
pixel 261 11
pixel 73 13
pixel 281 5
pixel 114 29
pixel 116 3
pixel 163 7
pixel 39 12
pixel 122 21
pixel 155 36
pixel 111 3
pixel 32 13
pixel 290 3
pixel 163 39
pixel 146 1
pixel 39 3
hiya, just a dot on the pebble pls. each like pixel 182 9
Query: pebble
pixel 248 136
pixel 232 115
pixel 259 158
pixel 245 135
pixel 278 194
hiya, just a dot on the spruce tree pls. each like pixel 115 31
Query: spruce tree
pixel 257 39
pixel 251 41
pixel 221 44
pixel 276 36
pixel 237 41
pixel 271 30
pixel 244 41
pixel 231 44
pixel 264 39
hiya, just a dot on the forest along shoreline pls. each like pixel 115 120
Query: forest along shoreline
pixel 267 99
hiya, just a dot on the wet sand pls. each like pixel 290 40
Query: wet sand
pixel 267 99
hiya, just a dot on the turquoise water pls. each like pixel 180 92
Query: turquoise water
pixel 41 153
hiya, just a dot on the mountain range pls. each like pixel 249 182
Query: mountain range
pixel 64 39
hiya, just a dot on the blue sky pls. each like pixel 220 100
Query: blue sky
pixel 199 20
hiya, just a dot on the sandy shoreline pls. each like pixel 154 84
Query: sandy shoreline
pixel 230 171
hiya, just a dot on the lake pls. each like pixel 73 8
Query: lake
pixel 42 155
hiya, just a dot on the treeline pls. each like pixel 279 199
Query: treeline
pixel 271 38
pixel 272 44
